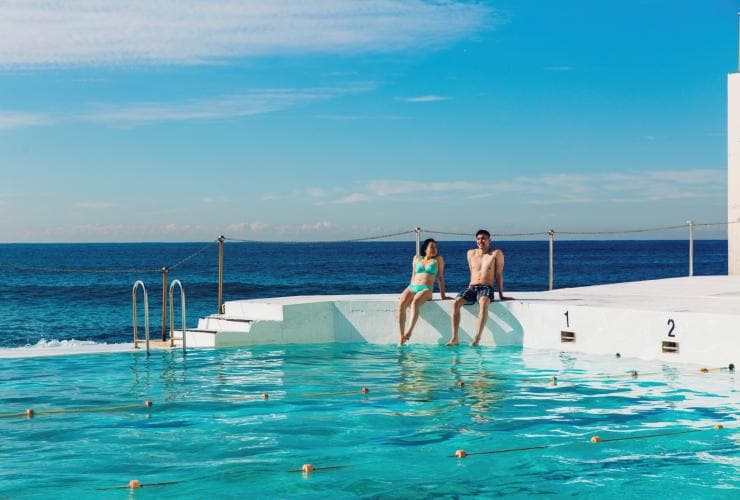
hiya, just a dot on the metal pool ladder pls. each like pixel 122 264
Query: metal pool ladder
pixel 137 341
pixel 182 315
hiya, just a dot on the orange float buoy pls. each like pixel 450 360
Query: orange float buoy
pixel 461 454
pixel 265 396
pixel 704 370
pixel 595 439
pixel 148 403
pixel 719 426
pixel 134 483
pixel 365 390
pixel 307 468
pixel 29 412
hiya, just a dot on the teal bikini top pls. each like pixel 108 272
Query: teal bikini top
pixel 431 268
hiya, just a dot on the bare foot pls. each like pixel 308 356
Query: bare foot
pixel 403 340
pixel 406 337
pixel 451 342
pixel 475 341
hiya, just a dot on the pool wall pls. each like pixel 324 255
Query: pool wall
pixel 642 319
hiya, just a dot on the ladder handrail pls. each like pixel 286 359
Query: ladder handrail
pixel 146 314
pixel 182 311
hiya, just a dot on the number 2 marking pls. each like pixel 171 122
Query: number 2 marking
pixel 567 320
pixel 672 324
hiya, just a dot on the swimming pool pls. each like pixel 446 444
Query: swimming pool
pixel 210 432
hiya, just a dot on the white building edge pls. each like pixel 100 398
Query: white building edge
pixel 733 173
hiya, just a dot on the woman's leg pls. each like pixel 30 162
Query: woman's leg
pixel 419 299
pixel 403 302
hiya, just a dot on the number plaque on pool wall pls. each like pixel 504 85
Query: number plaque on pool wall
pixel 566 336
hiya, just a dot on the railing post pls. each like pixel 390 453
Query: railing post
pixel 691 246
pixel 220 274
pixel 551 237
pixel 418 241
pixel 165 272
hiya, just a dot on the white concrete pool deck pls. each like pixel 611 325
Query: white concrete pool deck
pixel 689 320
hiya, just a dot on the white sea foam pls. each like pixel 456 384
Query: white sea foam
pixel 55 347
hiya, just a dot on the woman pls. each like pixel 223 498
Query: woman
pixel 424 270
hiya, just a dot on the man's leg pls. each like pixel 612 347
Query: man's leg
pixel 482 317
pixel 459 301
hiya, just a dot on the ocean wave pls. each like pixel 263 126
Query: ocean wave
pixel 54 347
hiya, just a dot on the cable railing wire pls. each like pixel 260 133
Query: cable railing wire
pixel 717 223
pixel 350 240
pixel 197 252
pixel 622 231
pixel 21 267
pixel 77 270
pixel 449 233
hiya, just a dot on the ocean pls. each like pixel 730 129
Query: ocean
pixel 82 292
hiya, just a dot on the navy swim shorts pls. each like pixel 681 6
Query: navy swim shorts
pixel 474 293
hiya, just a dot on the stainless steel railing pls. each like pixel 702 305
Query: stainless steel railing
pixel 182 313
pixel 138 284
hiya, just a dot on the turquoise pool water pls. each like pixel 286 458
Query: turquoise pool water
pixel 211 433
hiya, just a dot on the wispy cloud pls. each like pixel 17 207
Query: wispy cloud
pixel 99 32
pixel 21 119
pixel 317 192
pixel 95 205
pixel 118 232
pixel 347 118
pixel 318 226
pixel 549 189
pixel 260 228
pixel 253 102
pixel 352 198
pixel 248 103
pixel 382 188
pixel 247 227
pixel 423 98
pixel 214 199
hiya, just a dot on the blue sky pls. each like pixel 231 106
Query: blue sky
pixel 303 120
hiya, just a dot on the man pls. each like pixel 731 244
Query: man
pixel 485 265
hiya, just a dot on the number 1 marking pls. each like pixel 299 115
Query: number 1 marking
pixel 567 320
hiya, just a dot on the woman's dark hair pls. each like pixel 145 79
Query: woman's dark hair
pixel 423 248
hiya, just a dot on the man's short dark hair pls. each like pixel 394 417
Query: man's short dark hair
pixel 483 232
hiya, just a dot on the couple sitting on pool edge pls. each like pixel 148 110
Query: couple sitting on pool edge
pixel 486 265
